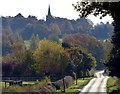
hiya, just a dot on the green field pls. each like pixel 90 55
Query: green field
pixel 2 84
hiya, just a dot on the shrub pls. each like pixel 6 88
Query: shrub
pixel 92 72
pixel 68 81
pixel 58 84
pixel 45 86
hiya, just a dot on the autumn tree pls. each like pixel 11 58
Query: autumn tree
pixel 18 51
pixel 88 63
pixel 82 62
pixel 7 58
pixel 25 67
pixel 76 58
pixel 7 69
pixel 89 43
pixel 20 63
pixel 48 56
pixel 19 55
pixel 104 8
pixel 23 59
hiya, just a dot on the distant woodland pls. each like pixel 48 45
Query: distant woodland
pixel 20 34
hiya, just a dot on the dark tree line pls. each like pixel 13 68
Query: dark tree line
pixel 59 26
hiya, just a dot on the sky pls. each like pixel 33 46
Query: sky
pixel 39 8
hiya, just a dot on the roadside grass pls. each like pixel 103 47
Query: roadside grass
pixel 73 89
pixel 111 85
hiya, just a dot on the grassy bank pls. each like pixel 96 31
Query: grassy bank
pixel 111 85
pixel 76 88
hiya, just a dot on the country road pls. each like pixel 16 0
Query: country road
pixel 96 85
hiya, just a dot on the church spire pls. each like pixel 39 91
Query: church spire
pixel 49 17
pixel 49 13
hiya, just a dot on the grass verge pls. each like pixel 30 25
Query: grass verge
pixel 111 85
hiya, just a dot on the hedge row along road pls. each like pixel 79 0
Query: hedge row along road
pixel 96 85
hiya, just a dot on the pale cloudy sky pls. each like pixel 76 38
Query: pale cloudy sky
pixel 39 8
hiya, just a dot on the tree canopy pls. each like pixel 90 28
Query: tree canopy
pixel 104 8
pixel 48 56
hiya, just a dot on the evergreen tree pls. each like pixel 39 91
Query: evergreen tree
pixel 18 38
pixel 34 41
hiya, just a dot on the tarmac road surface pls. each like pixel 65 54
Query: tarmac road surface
pixel 96 85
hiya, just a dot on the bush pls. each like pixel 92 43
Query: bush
pixel 92 72
pixel 58 84
pixel 68 81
